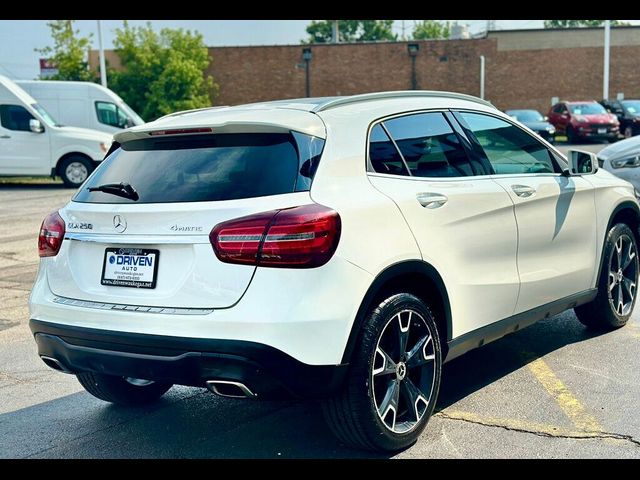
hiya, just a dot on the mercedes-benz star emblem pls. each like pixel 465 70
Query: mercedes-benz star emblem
pixel 119 223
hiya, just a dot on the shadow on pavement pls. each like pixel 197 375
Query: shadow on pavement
pixel 483 366
pixel 192 423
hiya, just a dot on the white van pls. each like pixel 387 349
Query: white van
pixel 82 104
pixel 32 143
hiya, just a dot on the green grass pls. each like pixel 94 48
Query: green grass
pixel 30 181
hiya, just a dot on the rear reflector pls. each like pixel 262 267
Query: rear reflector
pixel 181 131
pixel 51 235
pixel 298 237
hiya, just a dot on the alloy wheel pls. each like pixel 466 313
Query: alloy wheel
pixel 623 275
pixel 404 371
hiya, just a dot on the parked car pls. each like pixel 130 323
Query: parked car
pixel 534 120
pixel 340 248
pixel 628 113
pixel 32 143
pixel 82 104
pixel 623 160
pixel 584 120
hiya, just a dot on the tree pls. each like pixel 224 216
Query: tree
pixel 162 73
pixel 321 31
pixel 431 29
pixel 69 52
pixel 580 23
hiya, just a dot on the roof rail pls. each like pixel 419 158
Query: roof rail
pixel 338 102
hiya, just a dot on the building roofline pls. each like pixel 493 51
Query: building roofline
pixel 517 30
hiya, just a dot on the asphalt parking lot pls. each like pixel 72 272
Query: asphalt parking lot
pixel 553 390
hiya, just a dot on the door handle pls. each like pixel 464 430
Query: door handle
pixel 5 136
pixel 431 200
pixel 523 191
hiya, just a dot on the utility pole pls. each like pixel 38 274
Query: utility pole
pixel 404 37
pixel 103 68
pixel 335 33
pixel 607 43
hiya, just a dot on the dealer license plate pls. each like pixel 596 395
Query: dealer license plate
pixel 602 130
pixel 130 267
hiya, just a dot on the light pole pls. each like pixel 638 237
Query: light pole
pixel 607 43
pixel 307 55
pixel 103 68
pixel 413 48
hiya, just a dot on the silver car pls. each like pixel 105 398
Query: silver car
pixel 623 160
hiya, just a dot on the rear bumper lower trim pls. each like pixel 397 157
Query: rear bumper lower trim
pixel 267 371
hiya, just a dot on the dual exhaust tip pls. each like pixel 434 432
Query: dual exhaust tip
pixel 223 388
pixel 55 364
pixel 227 388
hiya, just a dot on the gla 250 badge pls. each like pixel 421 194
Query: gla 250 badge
pixel 80 226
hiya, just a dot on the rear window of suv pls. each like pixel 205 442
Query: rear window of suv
pixel 208 167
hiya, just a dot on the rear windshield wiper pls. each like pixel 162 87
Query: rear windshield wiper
pixel 120 189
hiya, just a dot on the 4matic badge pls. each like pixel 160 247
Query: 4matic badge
pixel 185 228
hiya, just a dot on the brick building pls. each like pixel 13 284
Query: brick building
pixel 524 68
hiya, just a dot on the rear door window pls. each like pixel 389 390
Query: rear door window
pixel 383 154
pixel 208 167
pixel 426 143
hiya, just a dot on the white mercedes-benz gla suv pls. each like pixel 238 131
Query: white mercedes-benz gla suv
pixel 334 248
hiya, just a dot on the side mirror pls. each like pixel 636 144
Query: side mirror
pixel 35 126
pixel 582 163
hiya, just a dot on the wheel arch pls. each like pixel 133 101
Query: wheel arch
pixel 413 276
pixel 68 155
pixel 626 212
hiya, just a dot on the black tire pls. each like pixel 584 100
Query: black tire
pixel 353 414
pixel 74 170
pixel 606 312
pixel 118 390
pixel 628 132
pixel 571 135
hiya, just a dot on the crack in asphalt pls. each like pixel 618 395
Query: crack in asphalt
pixel 569 435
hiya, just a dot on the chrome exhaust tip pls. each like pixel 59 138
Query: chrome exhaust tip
pixel 55 364
pixel 226 388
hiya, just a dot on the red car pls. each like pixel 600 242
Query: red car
pixel 584 120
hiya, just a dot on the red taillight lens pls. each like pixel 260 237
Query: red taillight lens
pixel 239 240
pixel 298 237
pixel 51 235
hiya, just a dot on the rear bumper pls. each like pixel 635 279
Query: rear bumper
pixel 268 372
pixel 588 132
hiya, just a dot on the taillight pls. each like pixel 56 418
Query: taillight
pixel 51 235
pixel 298 237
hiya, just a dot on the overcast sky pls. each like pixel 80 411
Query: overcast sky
pixel 18 38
